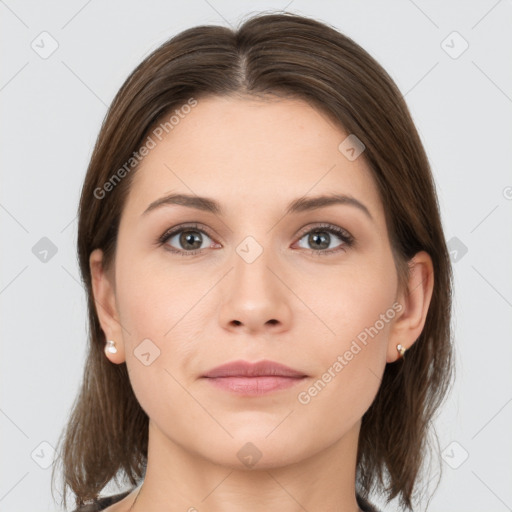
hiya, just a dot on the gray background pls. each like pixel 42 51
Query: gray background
pixel 52 108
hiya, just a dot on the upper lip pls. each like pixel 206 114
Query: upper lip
pixel 247 369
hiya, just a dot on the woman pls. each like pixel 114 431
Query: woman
pixel 268 283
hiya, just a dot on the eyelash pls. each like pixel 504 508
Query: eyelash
pixel 345 236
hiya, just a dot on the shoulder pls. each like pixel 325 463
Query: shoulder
pixel 365 505
pixel 102 503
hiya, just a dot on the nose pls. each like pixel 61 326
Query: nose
pixel 256 301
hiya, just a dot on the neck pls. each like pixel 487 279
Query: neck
pixel 180 479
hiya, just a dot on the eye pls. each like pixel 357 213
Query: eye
pixel 320 238
pixel 189 240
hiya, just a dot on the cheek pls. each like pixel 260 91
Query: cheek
pixel 358 304
pixel 360 309
pixel 153 300
pixel 158 314
pixel 350 364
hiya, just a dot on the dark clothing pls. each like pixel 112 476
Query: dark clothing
pixel 103 503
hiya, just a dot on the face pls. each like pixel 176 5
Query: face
pixel 314 289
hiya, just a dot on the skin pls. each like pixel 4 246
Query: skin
pixel 290 305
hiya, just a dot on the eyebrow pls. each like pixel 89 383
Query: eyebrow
pixel 298 205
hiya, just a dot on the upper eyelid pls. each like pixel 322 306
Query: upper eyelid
pixel 323 225
pixel 195 226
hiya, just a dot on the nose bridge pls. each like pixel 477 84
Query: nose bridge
pixel 252 276
pixel 251 266
pixel 255 297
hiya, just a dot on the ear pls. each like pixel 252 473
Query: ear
pixel 105 301
pixel 415 302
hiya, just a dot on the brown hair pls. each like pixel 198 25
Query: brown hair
pixel 292 56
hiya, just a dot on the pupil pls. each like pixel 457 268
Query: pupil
pixel 187 237
pixel 315 237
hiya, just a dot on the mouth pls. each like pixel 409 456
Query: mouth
pixel 254 385
pixel 246 378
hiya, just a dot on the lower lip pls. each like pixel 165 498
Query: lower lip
pixel 254 385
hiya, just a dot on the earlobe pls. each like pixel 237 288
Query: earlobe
pixel 408 326
pixel 105 303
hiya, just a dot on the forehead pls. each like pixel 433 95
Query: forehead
pixel 251 153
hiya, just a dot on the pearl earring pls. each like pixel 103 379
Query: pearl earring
pixel 401 349
pixel 111 347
